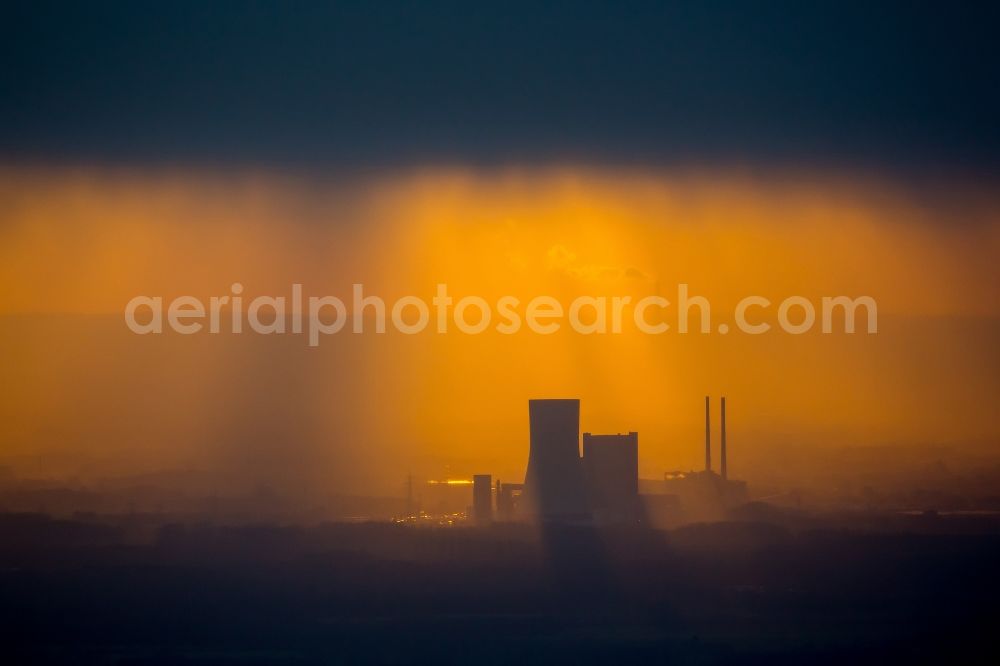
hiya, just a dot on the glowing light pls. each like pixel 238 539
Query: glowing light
pixel 86 243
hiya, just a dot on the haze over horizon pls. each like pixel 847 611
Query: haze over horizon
pixel 565 149
pixel 359 412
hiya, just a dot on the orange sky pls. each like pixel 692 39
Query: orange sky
pixel 77 244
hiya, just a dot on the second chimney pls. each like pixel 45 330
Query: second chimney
pixel 708 438
pixel 723 445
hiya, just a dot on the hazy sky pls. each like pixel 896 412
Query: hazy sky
pixel 565 149
pixel 365 409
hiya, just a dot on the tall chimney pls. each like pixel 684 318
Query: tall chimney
pixel 708 438
pixel 723 454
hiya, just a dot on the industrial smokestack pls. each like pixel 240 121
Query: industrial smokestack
pixel 723 449
pixel 708 438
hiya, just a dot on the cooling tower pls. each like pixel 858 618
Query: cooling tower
pixel 553 485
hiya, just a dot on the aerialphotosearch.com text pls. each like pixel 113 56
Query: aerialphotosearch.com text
pixel 319 316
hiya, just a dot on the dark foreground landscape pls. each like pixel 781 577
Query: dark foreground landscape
pixel 139 590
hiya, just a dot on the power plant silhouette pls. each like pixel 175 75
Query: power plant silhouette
pixel 603 484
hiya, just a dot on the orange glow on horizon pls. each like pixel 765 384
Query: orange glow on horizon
pixel 82 243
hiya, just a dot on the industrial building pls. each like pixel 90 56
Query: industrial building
pixel 602 485
pixel 611 472
pixel 706 495
pixel 482 499
pixel 508 499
